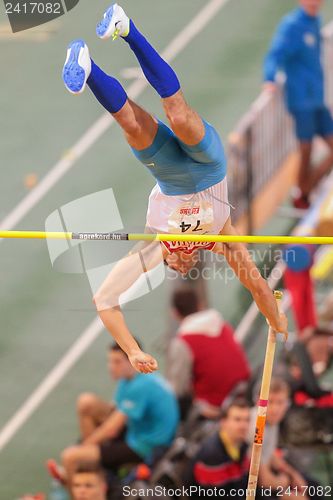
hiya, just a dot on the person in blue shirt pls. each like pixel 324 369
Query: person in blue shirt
pixel 296 49
pixel 143 419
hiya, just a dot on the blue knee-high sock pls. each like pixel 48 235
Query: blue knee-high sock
pixel 107 90
pixel 158 72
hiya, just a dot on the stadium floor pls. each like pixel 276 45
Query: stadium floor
pixel 44 312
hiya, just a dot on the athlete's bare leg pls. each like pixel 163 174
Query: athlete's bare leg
pixel 184 121
pixel 139 126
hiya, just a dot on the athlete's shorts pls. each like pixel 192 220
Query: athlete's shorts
pixel 314 122
pixel 182 169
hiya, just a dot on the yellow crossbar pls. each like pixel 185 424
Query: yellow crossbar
pixel 39 235
pixel 223 238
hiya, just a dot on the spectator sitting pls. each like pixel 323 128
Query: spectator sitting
pixel 204 359
pixel 143 417
pixel 222 460
pixel 275 472
pixel 319 347
pixel 296 49
pixel 308 359
pixel 89 483
pixel 309 423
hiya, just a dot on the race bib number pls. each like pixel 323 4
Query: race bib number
pixel 191 217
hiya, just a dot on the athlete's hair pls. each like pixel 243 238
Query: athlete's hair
pixel 186 301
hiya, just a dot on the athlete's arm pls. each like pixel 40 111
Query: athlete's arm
pixel 144 257
pixel 247 272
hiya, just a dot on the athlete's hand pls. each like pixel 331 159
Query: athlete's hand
pixel 280 325
pixel 142 362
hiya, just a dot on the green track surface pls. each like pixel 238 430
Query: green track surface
pixel 44 312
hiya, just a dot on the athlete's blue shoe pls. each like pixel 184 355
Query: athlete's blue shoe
pixel 115 23
pixel 77 67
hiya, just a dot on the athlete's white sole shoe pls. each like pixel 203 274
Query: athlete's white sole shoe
pixel 77 67
pixel 115 23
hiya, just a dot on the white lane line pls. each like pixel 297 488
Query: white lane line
pixel 51 381
pixel 89 138
pixel 198 23
pixel 58 171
